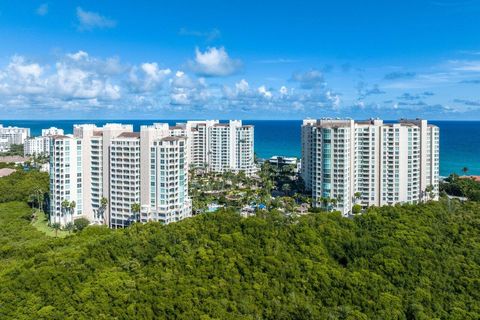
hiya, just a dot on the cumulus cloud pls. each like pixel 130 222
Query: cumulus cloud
pixel 264 92
pixel 42 10
pixel 187 91
pixel 76 80
pixel 88 20
pixel 242 86
pixel 283 91
pixel 148 76
pixel 81 82
pixel 214 62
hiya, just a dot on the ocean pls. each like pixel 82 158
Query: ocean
pixel 459 140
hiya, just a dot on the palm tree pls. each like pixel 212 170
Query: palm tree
pixel 357 196
pixel 56 227
pixel 429 191
pixel 103 207
pixel 465 170
pixel 333 203
pixel 65 207
pixel 136 211
pixel 72 207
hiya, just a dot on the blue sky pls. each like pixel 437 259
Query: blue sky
pixel 239 59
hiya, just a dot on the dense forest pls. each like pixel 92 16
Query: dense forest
pixel 403 262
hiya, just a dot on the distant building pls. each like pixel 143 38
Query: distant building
pixel 345 162
pixel 220 147
pixel 40 145
pixel 12 135
pixel 52 131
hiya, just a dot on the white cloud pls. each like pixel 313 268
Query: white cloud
pixel 28 71
pixel 80 55
pixel 466 65
pixel 22 77
pixel 214 62
pixel 180 98
pixel 42 10
pixel 333 98
pixel 90 20
pixel 242 86
pixel 262 90
pixel 80 82
pixel 148 77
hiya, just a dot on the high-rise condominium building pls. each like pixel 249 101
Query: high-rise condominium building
pixel 40 145
pixel 12 135
pixel 346 162
pixel 66 188
pixel 115 164
pixel 220 147
pixel 169 201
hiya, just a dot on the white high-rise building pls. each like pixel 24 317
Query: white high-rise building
pixel 40 145
pixel 124 179
pixel 66 186
pixel 168 189
pixel 369 162
pixel 116 166
pixel 164 173
pixel 219 147
pixel 36 146
pixel 12 135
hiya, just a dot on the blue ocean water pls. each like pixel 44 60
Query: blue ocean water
pixel 459 140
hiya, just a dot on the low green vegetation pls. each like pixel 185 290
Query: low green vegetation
pixel 458 186
pixel 27 186
pixel 40 222
pixel 404 262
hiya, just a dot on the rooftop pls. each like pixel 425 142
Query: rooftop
pixel 175 138
pixel 129 135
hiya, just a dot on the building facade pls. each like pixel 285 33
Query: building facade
pixel 113 181
pixel 66 184
pixel 41 145
pixel 12 135
pixel 220 147
pixel 370 163
pixel 169 200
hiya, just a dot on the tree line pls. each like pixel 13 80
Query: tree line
pixel 402 262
